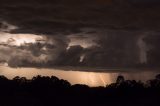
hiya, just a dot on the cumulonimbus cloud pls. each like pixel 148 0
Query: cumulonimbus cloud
pixel 105 35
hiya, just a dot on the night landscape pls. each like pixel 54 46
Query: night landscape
pixel 79 52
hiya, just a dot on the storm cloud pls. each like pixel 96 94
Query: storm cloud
pixel 85 33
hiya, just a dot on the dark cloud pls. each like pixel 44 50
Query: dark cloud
pixel 99 33
pixel 48 16
pixel 153 43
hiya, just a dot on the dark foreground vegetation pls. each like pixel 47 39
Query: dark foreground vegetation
pixel 51 91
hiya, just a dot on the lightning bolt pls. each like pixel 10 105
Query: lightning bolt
pixel 101 77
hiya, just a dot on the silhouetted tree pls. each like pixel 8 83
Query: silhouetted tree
pixel 46 91
pixel 158 77
pixel 120 79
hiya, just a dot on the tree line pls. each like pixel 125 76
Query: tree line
pixel 52 91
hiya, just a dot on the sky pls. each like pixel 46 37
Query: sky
pixel 80 33
pixel 93 79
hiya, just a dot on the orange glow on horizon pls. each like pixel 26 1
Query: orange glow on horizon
pixel 75 77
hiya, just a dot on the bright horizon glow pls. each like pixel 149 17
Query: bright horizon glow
pixel 76 77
